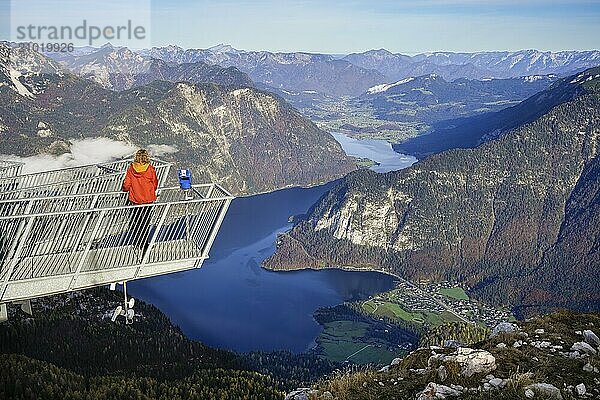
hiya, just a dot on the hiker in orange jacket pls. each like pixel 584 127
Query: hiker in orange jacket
pixel 141 182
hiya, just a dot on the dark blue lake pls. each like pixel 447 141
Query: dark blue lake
pixel 233 303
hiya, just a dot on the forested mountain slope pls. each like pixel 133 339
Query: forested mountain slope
pixel 497 217
pixel 472 131
pixel 71 349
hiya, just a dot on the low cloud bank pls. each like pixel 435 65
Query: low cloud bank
pixel 84 152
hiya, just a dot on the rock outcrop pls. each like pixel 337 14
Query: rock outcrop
pixel 470 361
pixel 485 370
pixel 544 390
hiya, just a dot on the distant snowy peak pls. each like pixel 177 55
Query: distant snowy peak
pixel 500 64
pixel 386 86
pixel 222 48
pixel 531 62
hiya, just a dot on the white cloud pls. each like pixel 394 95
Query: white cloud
pixel 158 150
pixel 86 152
pixel 83 152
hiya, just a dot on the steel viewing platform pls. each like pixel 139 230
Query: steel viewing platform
pixel 72 229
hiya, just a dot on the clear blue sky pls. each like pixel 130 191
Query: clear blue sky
pixel 408 26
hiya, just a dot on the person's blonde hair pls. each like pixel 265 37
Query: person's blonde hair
pixel 142 157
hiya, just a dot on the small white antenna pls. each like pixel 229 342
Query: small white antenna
pixel 118 311
pixel 126 310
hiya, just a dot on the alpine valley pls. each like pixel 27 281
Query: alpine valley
pixel 511 219
pixel 468 271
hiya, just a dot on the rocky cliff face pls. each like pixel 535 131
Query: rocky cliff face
pixel 249 140
pixel 491 217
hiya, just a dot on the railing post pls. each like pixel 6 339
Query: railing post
pixel 163 179
pixel 215 228
pixel 86 251
pixel 153 240
pixel 210 190
pixel 14 259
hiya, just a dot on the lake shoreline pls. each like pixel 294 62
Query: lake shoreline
pixel 274 311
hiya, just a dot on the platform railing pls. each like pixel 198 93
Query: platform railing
pixel 95 178
pixel 10 169
pixel 53 245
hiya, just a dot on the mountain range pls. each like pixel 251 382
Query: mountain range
pixel 431 92
pixel 495 64
pixel 249 140
pixel 119 68
pixel 356 73
pixel 506 218
pixel 291 71
pixel 351 75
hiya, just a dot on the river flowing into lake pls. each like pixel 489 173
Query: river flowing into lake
pixel 379 151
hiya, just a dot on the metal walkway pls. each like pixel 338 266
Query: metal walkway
pixel 71 229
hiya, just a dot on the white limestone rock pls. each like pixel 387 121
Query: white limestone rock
pixel 546 390
pixel 497 383
pixel 504 327
pixel 471 361
pixel 396 361
pixel 299 394
pixel 436 391
pixel 591 338
pixel 442 373
pixel 584 347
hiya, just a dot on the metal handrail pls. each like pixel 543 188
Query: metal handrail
pixel 63 205
pixel 71 181
pixel 10 169
pixel 78 195
pixel 99 242
pixel 77 173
